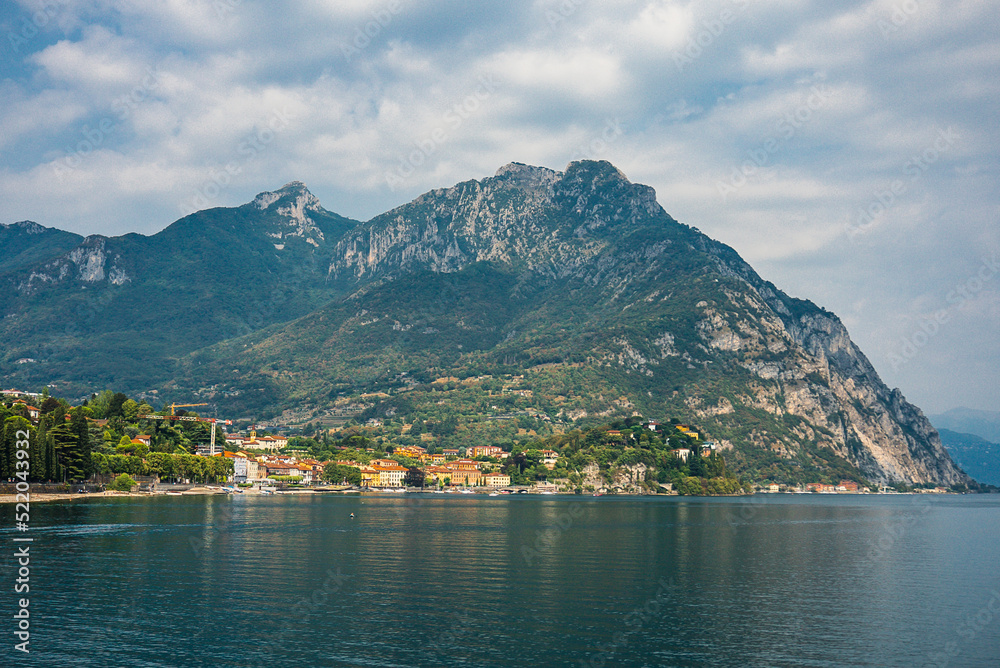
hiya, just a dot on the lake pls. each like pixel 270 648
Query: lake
pixel 462 580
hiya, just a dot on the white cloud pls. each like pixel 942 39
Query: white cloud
pixel 222 75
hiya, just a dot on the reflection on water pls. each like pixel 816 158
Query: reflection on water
pixel 433 580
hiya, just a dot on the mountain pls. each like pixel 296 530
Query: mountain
pixel 119 311
pixel 977 456
pixel 985 424
pixel 26 243
pixel 571 296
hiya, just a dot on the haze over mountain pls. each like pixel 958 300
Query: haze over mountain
pixel 575 288
pixel 985 424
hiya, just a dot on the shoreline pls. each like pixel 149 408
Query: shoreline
pixel 45 497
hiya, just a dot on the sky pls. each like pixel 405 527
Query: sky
pixel 847 150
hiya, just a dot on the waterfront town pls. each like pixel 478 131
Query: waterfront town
pixel 275 462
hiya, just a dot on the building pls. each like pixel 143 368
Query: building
pixel 485 451
pixel 687 431
pixel 682 453
pixel 145 439
pixel 390 476
pixel 450 452
pixel 33 412
pixel 437 474
pixel 549 458
pixel 281 469
pixel 496 480
pixel 307 473
pixel 369 476
pixel 463 465
pixel 467 477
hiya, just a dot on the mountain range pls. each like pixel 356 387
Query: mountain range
pixel 553 299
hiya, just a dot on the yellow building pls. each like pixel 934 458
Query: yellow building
pixel 496 480
pixel 390 476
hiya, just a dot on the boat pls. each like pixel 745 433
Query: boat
pixel 494 494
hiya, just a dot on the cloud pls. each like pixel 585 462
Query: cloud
pixel 714 103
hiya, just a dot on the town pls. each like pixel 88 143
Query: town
pixel 116 443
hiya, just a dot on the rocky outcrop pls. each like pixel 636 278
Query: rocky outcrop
pixel 569 224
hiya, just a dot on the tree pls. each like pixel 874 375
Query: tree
pixel 123 483
pixel 414 477
pixel 336 473
pixel 114 405
pixel 8 451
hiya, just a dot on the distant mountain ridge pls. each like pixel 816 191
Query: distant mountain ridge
pixel 574 286
pixel 977 456
pixel 985 424
pixel 149 300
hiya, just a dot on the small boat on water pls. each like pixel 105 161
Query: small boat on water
pixel 494 494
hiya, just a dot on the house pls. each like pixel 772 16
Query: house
pixel 254 470
pixel 687 430
pixel 652 425
pixel 848 486
pixel 437 458
pixel 33 412
pixel 486 451
pixel 549 458
pixel 449 452
pixel 546 486
pixel 821 488
pixel 268 443
pixel 307 472
pixel 496 480
pixel 145 439
pixel 281 469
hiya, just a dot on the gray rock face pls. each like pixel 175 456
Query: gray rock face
pixel 566 224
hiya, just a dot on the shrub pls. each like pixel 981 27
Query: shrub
pixel 123 483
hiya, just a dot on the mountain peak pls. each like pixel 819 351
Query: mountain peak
pixel 293 190
pixel 27 226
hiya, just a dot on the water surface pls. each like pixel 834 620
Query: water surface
pixel 456 580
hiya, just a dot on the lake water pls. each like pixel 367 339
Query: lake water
pixel 461 580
